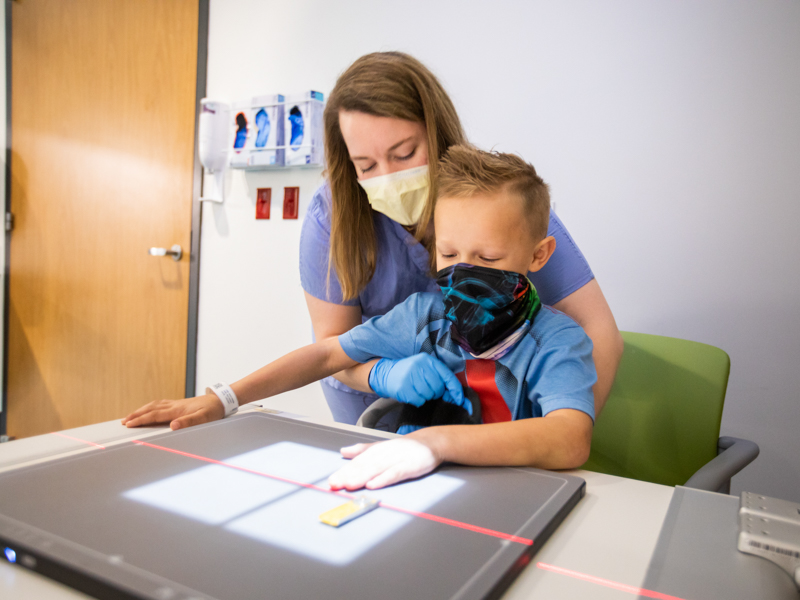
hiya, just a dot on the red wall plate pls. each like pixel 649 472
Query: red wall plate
pixel 263 202
pixel 291 202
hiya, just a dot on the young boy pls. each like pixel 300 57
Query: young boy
pixel 527 366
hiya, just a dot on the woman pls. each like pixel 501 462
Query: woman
pixel 363 246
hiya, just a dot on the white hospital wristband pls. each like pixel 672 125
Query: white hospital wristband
pixel 225 394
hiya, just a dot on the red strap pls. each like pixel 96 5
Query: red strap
pixel 479 376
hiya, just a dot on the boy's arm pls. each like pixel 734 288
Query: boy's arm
pixel 296 369
pixel 560 379
pixel 560 440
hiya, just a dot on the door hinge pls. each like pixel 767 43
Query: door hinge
pixel 9 221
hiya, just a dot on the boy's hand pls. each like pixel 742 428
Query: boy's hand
pixel 383 463
pixel 417 379
pixel 179 413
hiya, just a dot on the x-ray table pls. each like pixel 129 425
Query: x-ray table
pixel 230 510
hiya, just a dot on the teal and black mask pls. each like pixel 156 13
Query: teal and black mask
pixel 490 309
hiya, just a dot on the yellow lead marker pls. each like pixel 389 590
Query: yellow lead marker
pixel 350 510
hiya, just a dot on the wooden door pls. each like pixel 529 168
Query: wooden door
pixel 102 132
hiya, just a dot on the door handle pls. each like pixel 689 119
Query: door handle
pixel 175 252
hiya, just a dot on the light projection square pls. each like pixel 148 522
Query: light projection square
pixel 282 513
pixel 297 462
pixel 214 494
pixel 293 522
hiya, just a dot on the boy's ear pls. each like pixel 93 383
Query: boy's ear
pixel 542 253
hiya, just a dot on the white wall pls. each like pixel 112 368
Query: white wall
pixel 252 308
pixel 669 132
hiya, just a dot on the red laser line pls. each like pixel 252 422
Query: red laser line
pixel 605 582
pixel 69 437
pixel 446 521
pixel 310 486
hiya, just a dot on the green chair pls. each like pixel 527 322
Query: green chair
pixel 661 422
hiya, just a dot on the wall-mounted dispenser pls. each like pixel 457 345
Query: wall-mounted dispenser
pixel 256 137
pixel 303 129
pixel 212 138
pixel 264 132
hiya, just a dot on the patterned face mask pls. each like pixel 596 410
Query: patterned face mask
pixel 490 309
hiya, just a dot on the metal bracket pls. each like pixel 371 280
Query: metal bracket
pixel 770 528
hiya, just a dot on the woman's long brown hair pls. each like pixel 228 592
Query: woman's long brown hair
pixel 383 84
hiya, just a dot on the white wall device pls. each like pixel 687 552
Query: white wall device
pixel 213 146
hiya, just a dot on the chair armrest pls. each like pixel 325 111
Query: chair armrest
pixel 735 454
pixel 376 411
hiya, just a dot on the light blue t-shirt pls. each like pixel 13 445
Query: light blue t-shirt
pixel 549 369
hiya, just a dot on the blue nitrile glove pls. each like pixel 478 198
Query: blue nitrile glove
pixel 417 379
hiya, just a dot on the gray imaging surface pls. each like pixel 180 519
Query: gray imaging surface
pixel 163 519
pixel 696 555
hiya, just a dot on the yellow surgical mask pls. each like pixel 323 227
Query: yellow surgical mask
pixel 401 196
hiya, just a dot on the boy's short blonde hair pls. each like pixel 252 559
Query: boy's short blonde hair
pixel 465 171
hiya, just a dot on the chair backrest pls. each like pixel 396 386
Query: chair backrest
pixel 661 422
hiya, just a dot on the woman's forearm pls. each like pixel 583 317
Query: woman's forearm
pixel 296 369
pixel 357 377
pixel 331 320
pixel 607 352
pixel 589 308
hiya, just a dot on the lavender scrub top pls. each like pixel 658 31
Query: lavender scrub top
pixel 402 265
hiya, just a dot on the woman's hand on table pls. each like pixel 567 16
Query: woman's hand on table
pixel 178 413
pixel 381 464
